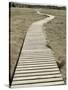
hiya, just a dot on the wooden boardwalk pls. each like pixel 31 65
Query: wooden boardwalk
pixel 37 65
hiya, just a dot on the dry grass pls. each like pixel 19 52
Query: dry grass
pixel 56 34
pixel 21 19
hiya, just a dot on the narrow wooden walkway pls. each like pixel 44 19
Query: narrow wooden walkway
pixel 37 65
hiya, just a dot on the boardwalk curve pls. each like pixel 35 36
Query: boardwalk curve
pixel 37 65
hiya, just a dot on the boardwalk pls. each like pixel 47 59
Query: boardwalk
pixel 37 65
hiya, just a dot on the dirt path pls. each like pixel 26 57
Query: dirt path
pixel 37 65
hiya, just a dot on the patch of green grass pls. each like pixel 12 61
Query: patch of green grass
pixel 56 35
pixel 21 19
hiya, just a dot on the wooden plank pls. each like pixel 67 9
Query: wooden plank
pixel 37 70
pixel 37 73
pixel 31 68
pixel 36 77
pixel 37 80
pixel 39 84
